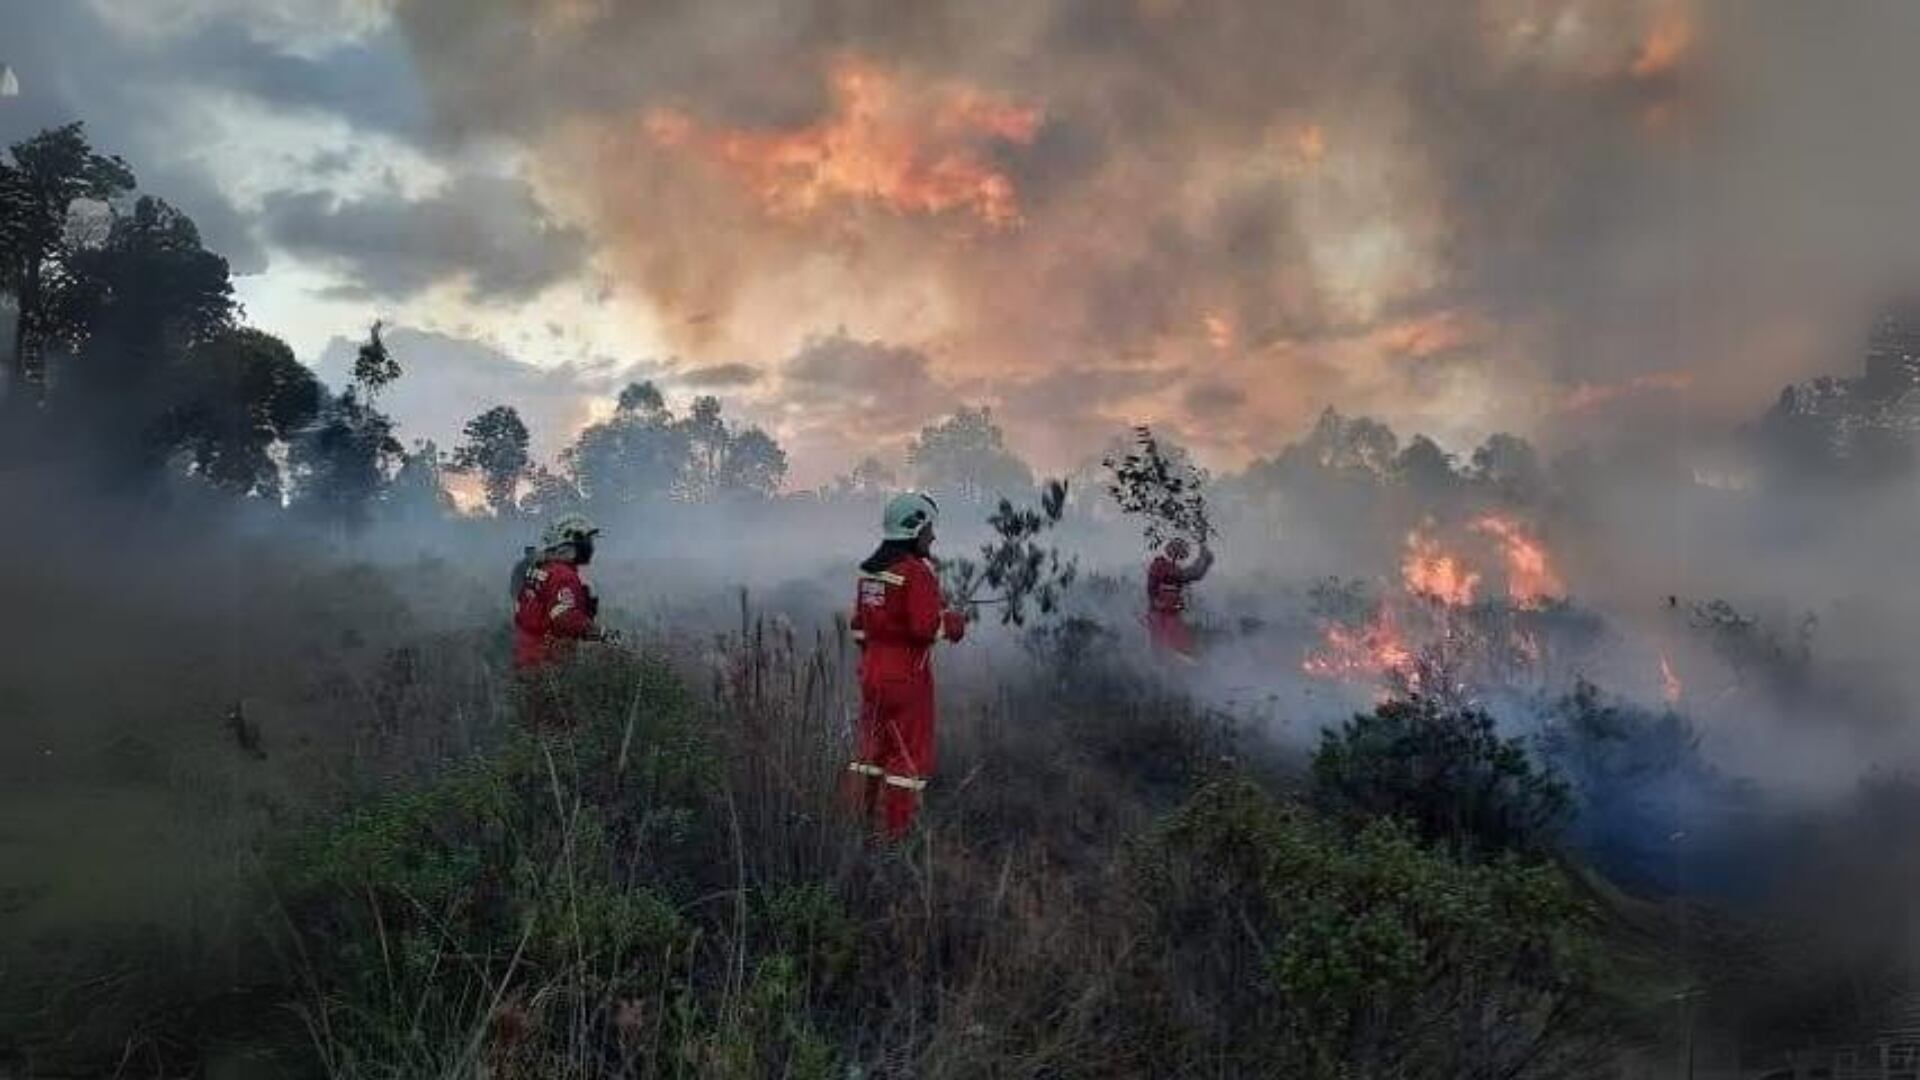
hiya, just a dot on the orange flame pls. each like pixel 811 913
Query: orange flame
pixel 1373 649
pixel 1670 686
pixel 1530 579
pixel 1311 142
pixel 1430 572
pixel 1664 47
pixel 1219 330
pixel 913 149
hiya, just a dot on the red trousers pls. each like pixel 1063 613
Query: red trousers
pixel 1169 634
pixel 894 757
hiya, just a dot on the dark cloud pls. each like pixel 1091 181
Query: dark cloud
pixel 1212 399
pixel 369 84
pixel 719 376
pixel 841 398
pixel 490 233
pixel 886 384
pixel 136 93
pixel 448 380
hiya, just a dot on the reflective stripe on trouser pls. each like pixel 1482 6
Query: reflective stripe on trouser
pixel 865 769
pixel 896 736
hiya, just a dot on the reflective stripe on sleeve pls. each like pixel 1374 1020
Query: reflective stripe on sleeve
pixel 887 576
pixel 865 769
pixel 911 783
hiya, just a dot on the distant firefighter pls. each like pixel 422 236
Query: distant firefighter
pixel 898 616
pixel 556 608
pixel 1167 579
pixel 555 611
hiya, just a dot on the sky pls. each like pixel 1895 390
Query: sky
pixel 1569 219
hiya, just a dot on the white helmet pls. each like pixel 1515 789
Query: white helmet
pixel 566 528
pixel 907 515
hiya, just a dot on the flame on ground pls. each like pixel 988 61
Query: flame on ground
pixel 1531 580
pixel 1371 650
pixel 1671 689
pixel 915 149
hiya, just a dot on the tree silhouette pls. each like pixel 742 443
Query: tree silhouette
pixel 374 366
pixel 496 448
pixel 233 400
pixel 346 463
pixel 966 456
pixel 632 457
pixel 40 183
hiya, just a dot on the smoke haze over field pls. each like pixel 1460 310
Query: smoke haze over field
pixel 1553 358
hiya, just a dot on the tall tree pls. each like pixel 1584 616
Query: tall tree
pixel 755 464
pixel 374 365
pixel 417 492
pixel 1510 466
pixel 232 401
pixel 347 462
pixel 869 477
pixel 144 297
pixel 966 455
pixel 634 456
pixel 40 183
pixel 496 448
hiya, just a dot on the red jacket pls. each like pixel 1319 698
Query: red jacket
pixel 897 617
pixel 1166 587
pixel 555 610
pixel 1167 582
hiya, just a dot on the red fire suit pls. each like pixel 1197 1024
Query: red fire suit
pixel 554 611
pixel 1167 627
pixel 897 617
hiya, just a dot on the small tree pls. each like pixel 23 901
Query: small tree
pixel 1165 493
pixel 1015 564
pixel 374 367
pixel 496 448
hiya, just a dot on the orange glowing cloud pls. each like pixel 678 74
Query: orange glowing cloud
pixel 888 140
pixel 1427 335
pixel 1588 396
pixel 1219 331
pixel 1311 142
pixel 1664 48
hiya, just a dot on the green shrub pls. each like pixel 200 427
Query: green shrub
pixel 1311 950
pixel 1443 770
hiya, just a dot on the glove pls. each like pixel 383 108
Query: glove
pixel 953 625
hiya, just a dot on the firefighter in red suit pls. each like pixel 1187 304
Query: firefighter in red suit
pixel 898 615
pixel 554 612
pixel 1167 579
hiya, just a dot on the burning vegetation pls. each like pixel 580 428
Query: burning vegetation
pixel 1412 788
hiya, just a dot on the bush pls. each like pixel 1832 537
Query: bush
pixel 1296 948
pixel 1442 769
